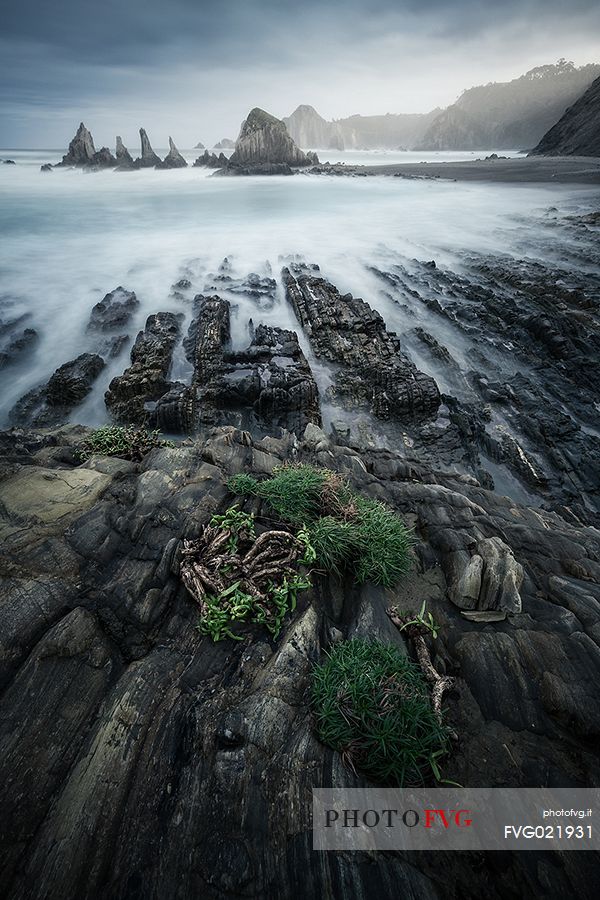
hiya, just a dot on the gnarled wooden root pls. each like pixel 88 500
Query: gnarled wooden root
pixel 439 683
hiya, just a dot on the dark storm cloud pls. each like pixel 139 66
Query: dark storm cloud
pixel 59 58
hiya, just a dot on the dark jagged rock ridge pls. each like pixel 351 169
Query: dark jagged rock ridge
pixel 81 149
pixel 110 316
pixel 173 159
pixel 211 161
pixel 131 396
pixel 137 732
pixel 82 153
pixel 148 158
pixel 52 403
pixel 577 133
pixel 540 423
pixel 265 147
pixel 268 385
pixel 17 338
pixel 372 370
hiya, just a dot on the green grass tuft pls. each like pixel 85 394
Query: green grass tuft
pixel 371 704
pixel 342 528
pixel 124 441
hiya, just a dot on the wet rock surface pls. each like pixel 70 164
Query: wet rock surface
pixel 132 395
pixel 346 331
pixel 530 345
pixel 264 387
pixel 52 403
pixel 154 735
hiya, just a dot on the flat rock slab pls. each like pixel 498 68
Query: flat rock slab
pixel 51 495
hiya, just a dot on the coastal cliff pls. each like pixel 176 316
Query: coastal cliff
pixel 578 131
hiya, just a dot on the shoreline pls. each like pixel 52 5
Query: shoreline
pixel 516 170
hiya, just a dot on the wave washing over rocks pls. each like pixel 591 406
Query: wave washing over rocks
pixel 465 395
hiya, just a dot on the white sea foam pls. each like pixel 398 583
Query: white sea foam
pixel 69 237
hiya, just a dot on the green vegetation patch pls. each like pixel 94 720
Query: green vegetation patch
pixel 124 441
pixel 371 704
pixel 237 576
pixel 344 529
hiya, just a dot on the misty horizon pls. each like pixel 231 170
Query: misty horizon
pixel 194 72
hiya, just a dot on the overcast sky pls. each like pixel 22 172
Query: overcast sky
pixel 194 69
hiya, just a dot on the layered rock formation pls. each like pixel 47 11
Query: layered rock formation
pixel 173 159
pixel 263 142
pixel 148 158
pixel 345 331
pixel 52 403
pixel 577 133
pixel 136 731
pixel 132 395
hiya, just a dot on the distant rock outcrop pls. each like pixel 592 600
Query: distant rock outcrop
pixel 124 158
pixel 390 131
pixel 211 160
pixel 148 159
pixel 309 129
pixel 199 146
pixel 173 159
pixel 225 144
pixel 264 142
pixel 577 133
pixel 102 159
pixel 81 149
pixel 453 129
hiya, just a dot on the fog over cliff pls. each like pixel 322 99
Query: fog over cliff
pixel 193 69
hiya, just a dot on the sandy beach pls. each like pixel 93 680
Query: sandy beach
pixel 529 169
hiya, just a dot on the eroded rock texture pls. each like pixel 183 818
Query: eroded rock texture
pixel 132 395
pixel 346 331
pixel 139 759
pixel 268 385
pixel 51 403
pixel 265 141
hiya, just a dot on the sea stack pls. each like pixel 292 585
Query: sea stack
pixel 265 147
pixel 148 159
pixel 173 159
pixel 81 149
pixel 124 158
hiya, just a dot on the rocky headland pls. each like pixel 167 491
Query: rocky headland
pixel 577 133
pixel 124 729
